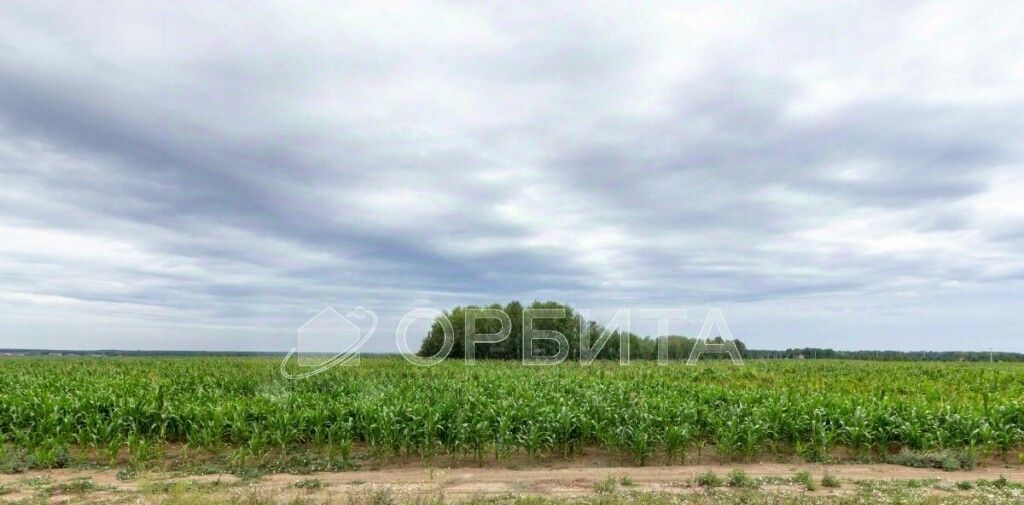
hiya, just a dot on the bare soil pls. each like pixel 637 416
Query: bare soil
pixel 455 484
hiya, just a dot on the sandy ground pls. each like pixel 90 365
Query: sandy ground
pixel 454 483
pixel 576 481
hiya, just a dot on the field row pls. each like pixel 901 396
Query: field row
pixel 51 405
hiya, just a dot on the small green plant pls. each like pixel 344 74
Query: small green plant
pixel 50 454
pixel 310 484
pixel 739 478
pixel 709 479
pixel 965 485
pixel 127 473
pixel 15 460
pixel 804 478
pixel 950 464
pixel 37 481
pixel 626 481
pixel 248 473
pixel 5 490
pixel 944 460
pixel 183 486
pixel 381 497
pixel 79 485
pixel 160 487
pixel 829 480
pixel 606 486
pixel 1001 483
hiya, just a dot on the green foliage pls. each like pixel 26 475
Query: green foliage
pixel 947 460
pixel 804 478
pixel 1001 482
pixel 14 459
pixel 709 479
pixel 606 486
pixel 76 486
pixel 310 484
pixel 830 481
pixel 739 478
pixel 55 411
pixel 570 325
pixel 183 486
pixel 128 473
pixel 37 481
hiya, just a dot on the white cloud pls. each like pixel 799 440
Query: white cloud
pixel 201 177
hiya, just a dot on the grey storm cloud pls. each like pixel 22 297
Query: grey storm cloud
pixel 845 176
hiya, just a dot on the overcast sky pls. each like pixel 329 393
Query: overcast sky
pixel 203 177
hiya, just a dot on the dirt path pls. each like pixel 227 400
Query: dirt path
pixel 576 481
pixel 451 483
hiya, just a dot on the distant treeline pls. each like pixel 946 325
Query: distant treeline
pixel 124 352
pixel 818 353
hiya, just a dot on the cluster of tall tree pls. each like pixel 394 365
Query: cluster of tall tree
pixel 570 324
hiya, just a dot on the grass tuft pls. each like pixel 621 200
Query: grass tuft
pixel 804 478
pixel 944 460
pixel 80 485
pixel 127 473
pixel 310 484
pixel 830 481
pixel 709 479
pixel 606 486
pixel 738 478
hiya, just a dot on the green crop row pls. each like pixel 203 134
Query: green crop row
pixel 643 410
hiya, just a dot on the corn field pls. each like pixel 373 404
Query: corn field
pixel 55 407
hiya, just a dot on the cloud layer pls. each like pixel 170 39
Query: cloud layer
pixel 211 178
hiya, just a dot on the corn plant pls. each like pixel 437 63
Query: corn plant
pixel 110 408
